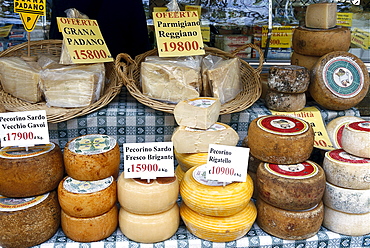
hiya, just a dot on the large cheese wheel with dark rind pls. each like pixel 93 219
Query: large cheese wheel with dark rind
pixel 335 127
pixel 318 42
pixel 288 79
pixel 288 224
pixel 32 221
pixel 92 157
pixel 280 139
pixel 189 160
pixel 292 187
pixel 356 138
pixel 339 81
pixel 87 198
pixel 32 171
pixel 303 60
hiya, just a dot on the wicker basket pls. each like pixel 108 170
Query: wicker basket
pixel 56 114
pixel 129 70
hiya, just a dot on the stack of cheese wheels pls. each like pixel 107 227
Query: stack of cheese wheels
pixel 149 211
pixel 88 194
pixel 214 211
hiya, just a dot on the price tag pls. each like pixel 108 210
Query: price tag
pixel 281 36
pixel 30 12
pixel 148 160
pixel 178 33
pixel 24 129
pixel 227 163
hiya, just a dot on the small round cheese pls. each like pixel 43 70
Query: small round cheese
pixel 149 228
pixel 189 160
pixel 179 173
pixel 356 138
pixel 303 60
pixel 285 102
pixel 288 79
pixel 335 127
pixel 92 157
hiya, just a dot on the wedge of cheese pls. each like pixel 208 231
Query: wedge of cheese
pixel 321 15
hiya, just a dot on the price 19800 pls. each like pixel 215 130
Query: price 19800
pixel 19 136
pixel 90 54
pixel 180 46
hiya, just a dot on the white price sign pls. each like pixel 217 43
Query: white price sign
pixel 24 129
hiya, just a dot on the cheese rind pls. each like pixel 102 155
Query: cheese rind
pixel 179 173
pixel 285 102
pixel 189 160
pixel 303 60
pixel 288 79
pixel 321 15
pixel 335 128
pixel 356 138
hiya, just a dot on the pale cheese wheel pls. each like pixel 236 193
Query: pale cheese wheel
pixel 189 160
pixel 219 228
pixel 179 173
pixel 142 197
pixel 26 222
pixel 356 138
pixel 92 157
pixel 339 81
pixel 280 139
pixel 149 228
pixel 335 127
pixel 288 224
pixel 32 171
pixel 285 102
pixel 345 170
pixel 87 198
pixel 212 197
pixel 303 60
pixel 288 79
pixel 90 229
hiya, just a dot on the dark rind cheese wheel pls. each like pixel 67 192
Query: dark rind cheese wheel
pixel 339 81
pixel 34 171
pixel 36 221
pixel 288 79
pixel 291 187
pixel 285 102
pixel 318 42
pixel 280 139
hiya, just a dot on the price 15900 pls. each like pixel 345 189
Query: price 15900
pixel 90 54
pixel 143 168
pixel 180 46
pixel 19 136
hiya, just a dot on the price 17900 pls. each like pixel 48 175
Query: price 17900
pixel 19 136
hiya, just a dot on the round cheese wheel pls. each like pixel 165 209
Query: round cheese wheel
pixel 212 197
pixel 188 160
pixel 219 228
pixel 92 228
pixel 34 171
pixel 288 224
pixel 335 127
pixel 353 201
pixel 318 42
pixel 285 102
pixel 141 196
pixel 26 222
pixel 149 228
pixel 345 170
pixel 92 157
pixel 345 223
pixel 253 175
pixel 253 162
pixel 288 78
pixel 292 187
pixel 179 173
pixel 87 198
pixel 280 139
pixel 339 81
pixel 356 138
pixel 303 60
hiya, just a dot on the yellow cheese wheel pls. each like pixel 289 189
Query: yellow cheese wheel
pixel 219 228
pixel 303 60
pixel 92 157
pixel 188 160
pixel 335 127
pixel 87 198
pixel 31 172
pixel 356 138
pixel 212 198
pixel 179 173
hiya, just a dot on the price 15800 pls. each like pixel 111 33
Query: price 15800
pixel 180 46
pixel 90 54
pixel 19 136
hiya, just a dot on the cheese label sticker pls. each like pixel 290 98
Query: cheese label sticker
pixel 343 156
pixel 86 187
pixel 199 175
pixel 17 204
pixel 15 152
pixel 92 144
pixel 214 127
pixel 343 77
pixel 283 125
pixel 361 126
pixel 294 171
pixel 202 102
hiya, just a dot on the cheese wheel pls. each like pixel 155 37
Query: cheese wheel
pixel 303 60
pixel 264 83
pixel 219 228
pixel 345 223
pixel 288 79
pixel 189 160
pixel 253 175
pixel 92 157
pixel 345 170
pixel 280 139
pixel 149 228
pixel 253 162
pixel 288 224
pixel 190 140
pixel 285 102
pixel 321 15
pixel 339 81
pixel 335 127
pixel 34 171
pixel 179 173
pixel 292 187
pixel 353 201
pixel 318 42
pixel 356 138
pixel 87 198
pixel 26 222
pixel 212 197
pixel 90 229
pixel 142 197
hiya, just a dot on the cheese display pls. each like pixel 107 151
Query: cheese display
pixel 339 81
pixel 190 140
pixel 92 157
pixel 335 127
pixel 199 113
pixel 321 15
pixel 30 171
pixel 179 173
pixel 356 138
pixel 149 228
pixel 280 139
pixel 87 198
pixel 27 222
pixel 189 160
pixel 292 187
pixel 288 79
pixel 285 102
pixel 303 60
